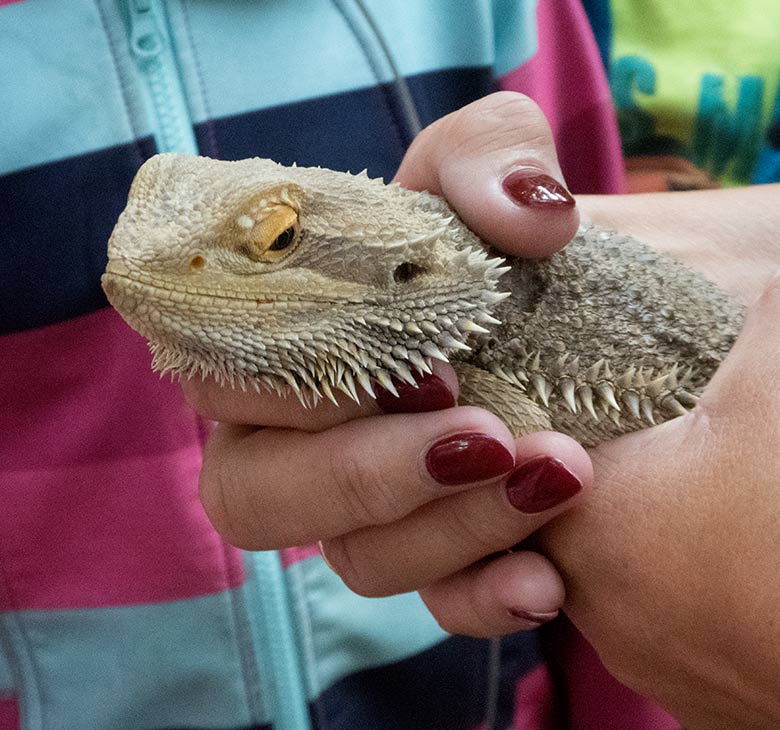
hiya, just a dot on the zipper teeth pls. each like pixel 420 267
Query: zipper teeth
pixel 291 711
pixel 150 43
pixel 171 124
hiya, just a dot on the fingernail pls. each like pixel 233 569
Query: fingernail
pixel 431 394
pixel 537 190
pixel 468 457
pixel 540 484
pixel 322 554
pixel 536 618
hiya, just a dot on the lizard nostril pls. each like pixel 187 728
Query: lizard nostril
pixel 197 262
pixel 407 271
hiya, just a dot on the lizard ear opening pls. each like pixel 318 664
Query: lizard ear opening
pixel 266 229
pixel 407 271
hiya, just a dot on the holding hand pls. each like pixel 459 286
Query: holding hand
pixel 417 499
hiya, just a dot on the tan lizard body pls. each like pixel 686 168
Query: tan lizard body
pixel 318 281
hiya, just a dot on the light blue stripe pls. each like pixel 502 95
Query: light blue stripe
pixel 7 681
pixel 76 88
pixel 59 92
pixel 347 633
pixel 150 666
pixel 516 39
pixel 253 55
pixel 150 42
pixel 18 659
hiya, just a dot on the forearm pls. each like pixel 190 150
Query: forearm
pixel 732 236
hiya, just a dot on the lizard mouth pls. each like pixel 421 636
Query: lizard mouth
pixel 125 292
pixel 127 286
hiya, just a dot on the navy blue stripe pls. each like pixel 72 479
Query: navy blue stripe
pixel 350 131
pixel 443 688
pixel 55 219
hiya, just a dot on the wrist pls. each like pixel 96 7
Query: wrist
pixel 729 235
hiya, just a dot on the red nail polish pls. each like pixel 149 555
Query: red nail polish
pixel 468 457
pixel 431 394
pixel 540 484
pixel 532 617
pixel 537 190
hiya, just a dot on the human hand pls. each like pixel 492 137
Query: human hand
pixel 407 500
pixel 672 566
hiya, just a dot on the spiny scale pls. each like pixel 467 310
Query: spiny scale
pixel 633 393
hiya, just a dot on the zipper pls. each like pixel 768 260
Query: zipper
pixel 150 44
pixel 275 632
pixel 267 604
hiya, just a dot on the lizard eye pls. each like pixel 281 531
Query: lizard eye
pixel 266 228
pixel 283 240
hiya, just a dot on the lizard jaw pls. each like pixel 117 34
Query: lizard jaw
pixel 287 346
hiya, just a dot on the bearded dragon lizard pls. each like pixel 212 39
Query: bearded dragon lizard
pixel 314 281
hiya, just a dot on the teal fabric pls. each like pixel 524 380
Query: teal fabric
pixel 44 82
pixel 378 630
pixel 173 665
pixel 79 89
pixel 515 39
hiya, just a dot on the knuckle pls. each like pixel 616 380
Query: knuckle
pixel 452 616
pixel 212 491
pixel 471 535
pixel 199 396
pixel 507 104
pixel 349 564
pixel 770 296
pixel 223 495
pixel 503 117
pixel 367 495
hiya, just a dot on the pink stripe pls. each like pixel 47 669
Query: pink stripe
pixel 596 699
pixel 566 78
pixel 82 391
pixel 534 701
pixel 9 713
pixel 99 475
pixel 8 2
pixel 290 556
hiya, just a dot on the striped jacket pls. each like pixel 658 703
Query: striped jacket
pixel 120 607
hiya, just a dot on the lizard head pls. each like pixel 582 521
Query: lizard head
pixel 256 273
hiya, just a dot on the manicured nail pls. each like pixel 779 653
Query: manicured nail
pixel 431 394
pixel 324 557
pixel 468 457
pixel 537 190
pixel 536 618
pixel 540 484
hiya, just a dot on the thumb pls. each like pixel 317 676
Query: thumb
pixel 495 163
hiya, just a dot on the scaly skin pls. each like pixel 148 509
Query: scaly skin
pixel 313 280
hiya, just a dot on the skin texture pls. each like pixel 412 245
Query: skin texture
pixel 671 566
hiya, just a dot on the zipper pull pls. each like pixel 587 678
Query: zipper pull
pixel 146 41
